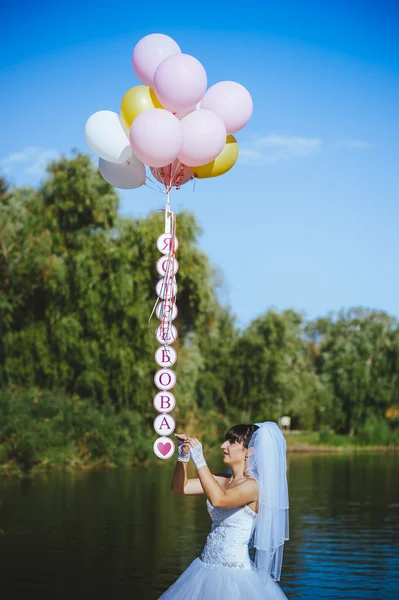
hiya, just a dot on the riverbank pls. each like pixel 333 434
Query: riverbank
pixel 312 442
pixel 43 431
pixel 72 459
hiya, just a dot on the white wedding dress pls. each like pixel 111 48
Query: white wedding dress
pixel 225 570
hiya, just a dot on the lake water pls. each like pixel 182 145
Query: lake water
pixel 122 534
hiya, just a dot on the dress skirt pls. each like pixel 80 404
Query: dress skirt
pixel 202 581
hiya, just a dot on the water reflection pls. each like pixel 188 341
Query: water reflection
pixel 123 534
pixel 341 545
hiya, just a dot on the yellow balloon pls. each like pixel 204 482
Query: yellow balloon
pixel 222 163
pixel 137 100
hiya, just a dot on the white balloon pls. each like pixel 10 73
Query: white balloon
pixel 128 176
pixel 106 137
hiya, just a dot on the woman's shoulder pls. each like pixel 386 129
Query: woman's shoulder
pixel 251 478
pixel 228 475
pixel 222 478
pixel 248 481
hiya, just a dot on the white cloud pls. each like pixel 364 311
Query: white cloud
pixel 272 149
pixel 30 163
pixel 348 143
pixel 277 148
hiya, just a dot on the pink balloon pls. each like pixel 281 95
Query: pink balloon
pixel 232 102
pixel 204 137
pixel 148 54
pixel 175 174
pixel 156 137
pixel 184 113
pixel 180 82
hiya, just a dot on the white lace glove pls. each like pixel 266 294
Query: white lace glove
pixel 180 454
pixel 197 456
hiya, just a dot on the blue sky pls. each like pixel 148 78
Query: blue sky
pixel 308 218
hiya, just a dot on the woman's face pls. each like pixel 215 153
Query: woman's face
pixel 233 452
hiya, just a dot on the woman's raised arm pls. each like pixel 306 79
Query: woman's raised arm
pixel 190 487
pixel 181 484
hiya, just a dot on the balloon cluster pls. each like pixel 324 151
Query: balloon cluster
pixel 172 123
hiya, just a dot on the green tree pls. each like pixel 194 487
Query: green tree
pixel 216 346
pixel 357 356
pixel 78 286
pixel 271 371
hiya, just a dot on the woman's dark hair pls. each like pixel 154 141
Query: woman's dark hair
pixel 241 433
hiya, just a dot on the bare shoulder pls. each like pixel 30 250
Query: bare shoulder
pixel 252 480
pixel 248 486
pixel 245 492
pixel 248 482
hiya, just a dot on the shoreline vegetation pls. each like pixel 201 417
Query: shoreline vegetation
pixel 43 432
pixel 313 442
pixel 77 287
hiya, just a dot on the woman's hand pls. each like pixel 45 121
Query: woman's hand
pixel 193 442
pixel 196 452
pixel 190 446
pixel 183 447
pixel 187 442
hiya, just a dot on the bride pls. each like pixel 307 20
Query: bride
pixel 249 508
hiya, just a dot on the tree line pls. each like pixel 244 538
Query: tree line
pixel 76 290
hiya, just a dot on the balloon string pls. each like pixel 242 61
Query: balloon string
pixel 167 213
pixel 171 177
pixel 147 178
pixel 152 314
pixel 177 168
pixel 167 319
pixel 151 187
pixel 152 180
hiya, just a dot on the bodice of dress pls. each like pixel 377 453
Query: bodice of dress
pixel 227 542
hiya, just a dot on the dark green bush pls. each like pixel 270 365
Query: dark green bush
pixel 376 431
pixel 51 428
